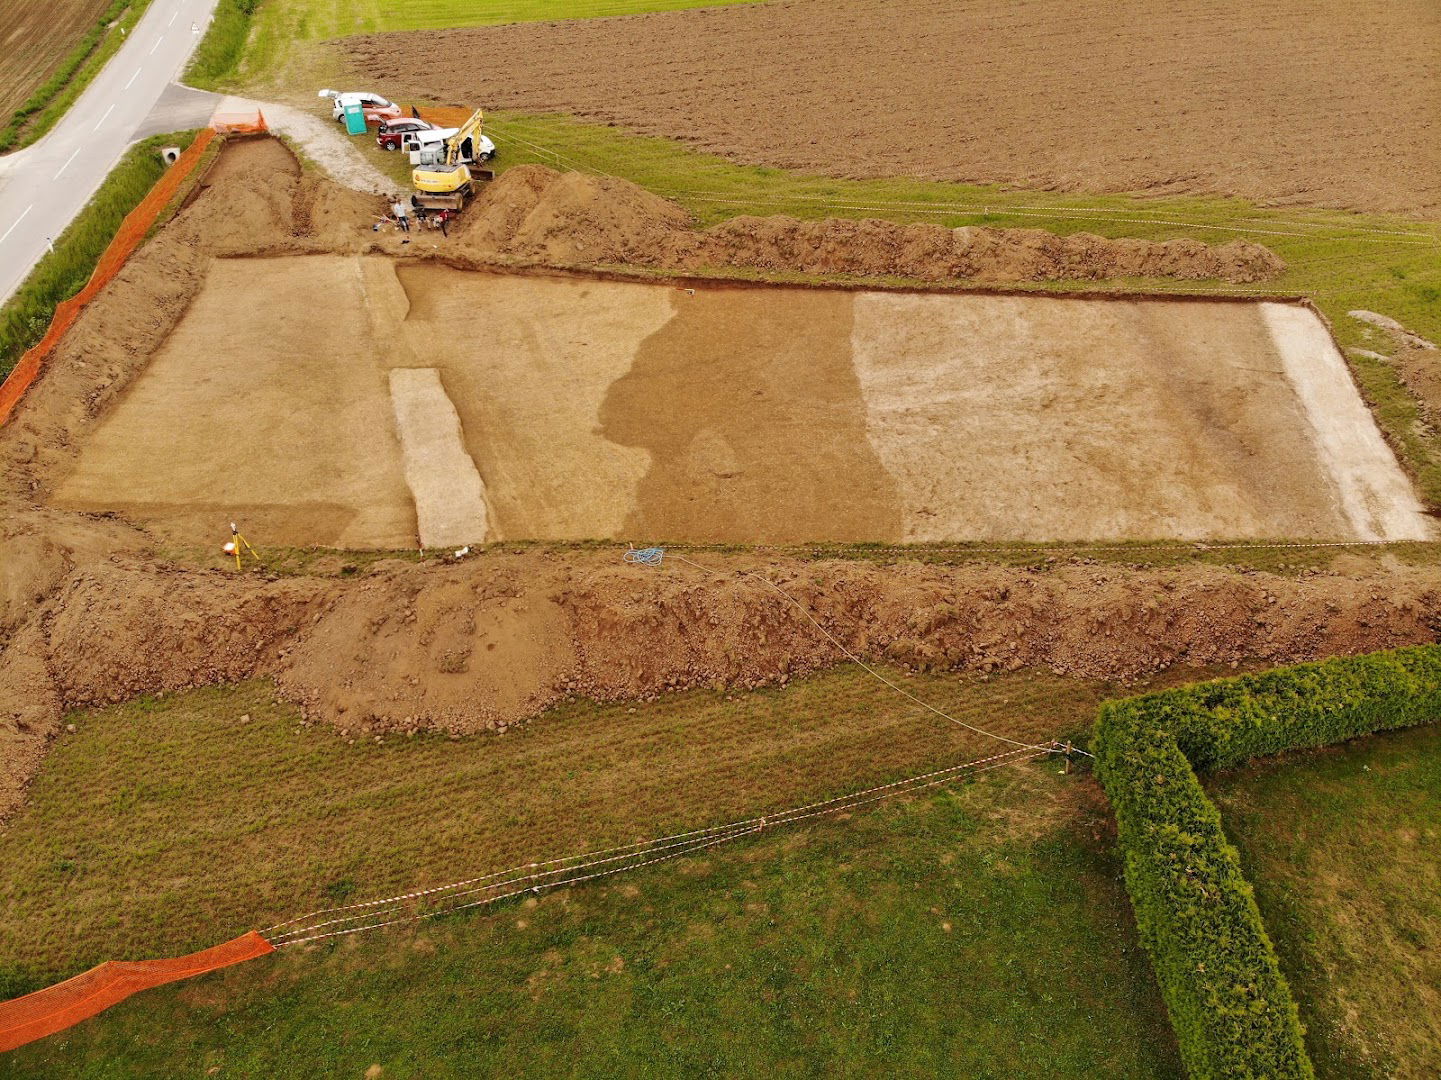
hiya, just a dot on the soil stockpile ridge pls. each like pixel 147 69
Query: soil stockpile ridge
pixel 572 219
pixel 487 643
pixel 1282 101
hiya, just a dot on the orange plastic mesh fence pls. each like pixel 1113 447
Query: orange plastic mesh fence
pixel 239 123
pixel 132 230
pixel 25 1019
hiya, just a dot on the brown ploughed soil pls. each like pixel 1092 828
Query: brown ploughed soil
pixel 92 609
pixel 1334 103
pixel 34 38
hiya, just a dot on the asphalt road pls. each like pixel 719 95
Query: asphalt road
pixel 43 187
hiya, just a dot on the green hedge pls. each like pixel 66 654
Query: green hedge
pixel 220 50
pixel 62 273
pixel 1230 1005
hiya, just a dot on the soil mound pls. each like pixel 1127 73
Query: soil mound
pixel 572 219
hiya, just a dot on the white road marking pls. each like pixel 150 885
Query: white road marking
pixel 172 17
pixel 133 78
pixel 68 160
pixel 17 222
pixel 108 111
pixel 155 46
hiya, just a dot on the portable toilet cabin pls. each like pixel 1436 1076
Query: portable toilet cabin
pixel 354 118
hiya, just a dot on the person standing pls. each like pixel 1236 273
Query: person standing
pixel 402 214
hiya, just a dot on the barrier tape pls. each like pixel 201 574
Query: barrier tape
pixel 55 1008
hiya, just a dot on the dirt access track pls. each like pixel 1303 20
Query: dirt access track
pixel 93 609
pixel 1332 104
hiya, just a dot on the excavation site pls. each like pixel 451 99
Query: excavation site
pixel 364 402
pixel 572 363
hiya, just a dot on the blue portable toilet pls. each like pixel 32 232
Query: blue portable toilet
pixel 354 118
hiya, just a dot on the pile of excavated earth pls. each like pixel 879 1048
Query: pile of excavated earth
pixel 91 611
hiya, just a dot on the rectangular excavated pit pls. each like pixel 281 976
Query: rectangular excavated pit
pixel 611 409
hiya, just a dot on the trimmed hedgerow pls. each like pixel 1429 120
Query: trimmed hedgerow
pixel 1231 1008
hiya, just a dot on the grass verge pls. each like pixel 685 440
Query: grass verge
pixel 63 272
pixel 978 932
pixel 50 101
pixel 1343 848
pixel 220 49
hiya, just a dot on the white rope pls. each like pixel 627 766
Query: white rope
pixel 701 839
pixel 1199 547
pixel 612 854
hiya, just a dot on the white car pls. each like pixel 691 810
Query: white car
pixel 377 109
pixel 428 147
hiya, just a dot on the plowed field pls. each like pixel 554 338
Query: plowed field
pixel 33 38
pixel 1286 101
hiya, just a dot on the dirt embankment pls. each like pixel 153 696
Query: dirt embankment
pixel 1285 101
pixel 569 219
pixel 488 642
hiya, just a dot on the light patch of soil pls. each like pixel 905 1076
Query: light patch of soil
pixel 1282 101
pixel 268 404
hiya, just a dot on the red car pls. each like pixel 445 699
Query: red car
pixel 393 132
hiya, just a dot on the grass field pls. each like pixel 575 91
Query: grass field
pixel 50 54
pixel 1344 850
pixel 981 931
pixel 210 824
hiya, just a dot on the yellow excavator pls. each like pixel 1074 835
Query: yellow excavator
pixel 447 171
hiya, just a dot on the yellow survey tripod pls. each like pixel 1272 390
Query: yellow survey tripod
pixel 238 544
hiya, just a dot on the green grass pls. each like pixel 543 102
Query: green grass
pixel 979 932
pixel 50 101
pixel 220 50
pixel 1343 848
pixel 208 824
pixel 62 273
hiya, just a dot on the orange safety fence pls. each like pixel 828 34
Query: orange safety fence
pixel 132 230
pixel 239 123
pixel 25 1019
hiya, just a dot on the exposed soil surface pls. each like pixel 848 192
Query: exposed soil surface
pixel 1284 101
pixel 91 610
